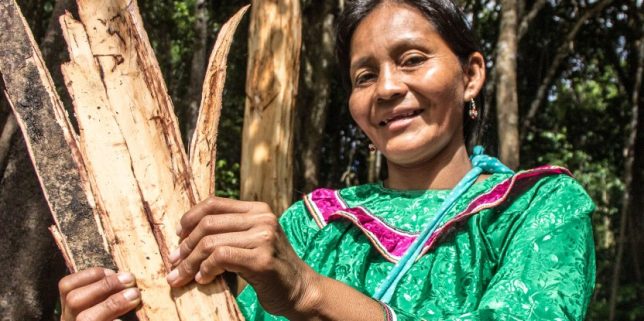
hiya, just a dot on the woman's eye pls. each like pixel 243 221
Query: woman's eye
pixel 364 78
pixel 412 61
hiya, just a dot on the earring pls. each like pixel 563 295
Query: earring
pixel 372 148
pixel 473 111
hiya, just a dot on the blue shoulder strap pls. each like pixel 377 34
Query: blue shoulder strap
pixel 480 163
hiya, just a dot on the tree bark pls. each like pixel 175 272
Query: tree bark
pixel 315 86
pixel 31 93
pixel 32 264
pixel 507 105
pixel 129 137
pixel 28 292
pixel 203 147
pixel 271 90
pixel 629 171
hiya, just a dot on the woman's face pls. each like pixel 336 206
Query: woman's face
pixel 408 87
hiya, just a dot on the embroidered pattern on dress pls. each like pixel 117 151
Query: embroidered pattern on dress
pixel 326 205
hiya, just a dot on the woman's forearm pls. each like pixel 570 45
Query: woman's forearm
pixel 329 300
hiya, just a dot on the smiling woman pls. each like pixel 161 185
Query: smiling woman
pixel 450 235
pixel 409 89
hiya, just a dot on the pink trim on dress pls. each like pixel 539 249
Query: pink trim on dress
pixel 326 205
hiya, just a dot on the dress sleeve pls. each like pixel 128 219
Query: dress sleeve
pixel 299 227
pixel 546 260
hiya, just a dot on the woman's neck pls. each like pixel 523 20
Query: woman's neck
pixel 443 171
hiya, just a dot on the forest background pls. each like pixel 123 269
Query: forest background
pixel 576 102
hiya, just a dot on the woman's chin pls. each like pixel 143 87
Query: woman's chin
pixel 405 156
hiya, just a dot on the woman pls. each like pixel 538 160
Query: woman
pixel 435 241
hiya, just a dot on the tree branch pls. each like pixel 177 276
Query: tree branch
pixel 562 53
pixel 527 19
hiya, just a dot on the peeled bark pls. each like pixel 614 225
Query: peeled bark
pixel 128 152
pixel 31 94
pixel 129 138
pixel 271 89
pixel 507 106
pixel 203 147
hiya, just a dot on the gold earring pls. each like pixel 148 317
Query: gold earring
pixel 372 148
pixel 473 111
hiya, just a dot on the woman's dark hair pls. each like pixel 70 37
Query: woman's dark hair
pixel 450 23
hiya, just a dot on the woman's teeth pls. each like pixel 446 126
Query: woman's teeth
pixel 400 116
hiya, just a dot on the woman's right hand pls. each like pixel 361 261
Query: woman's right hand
pixel 97 294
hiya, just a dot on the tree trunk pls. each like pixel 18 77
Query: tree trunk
pixel 315 86
pixel 507 105
pixel 271 89
pixel 629 171
pixel 197 66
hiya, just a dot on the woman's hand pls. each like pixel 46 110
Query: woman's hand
pixel 222 234
pixel 97 294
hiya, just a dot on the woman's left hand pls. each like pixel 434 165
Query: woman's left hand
pixel 222 234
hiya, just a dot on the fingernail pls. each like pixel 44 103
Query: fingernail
pixel 109 272
pixel 125 278
pixel 131 294
pixel 179 230
pixel 199 278
pixel 174 256
pixel 172 276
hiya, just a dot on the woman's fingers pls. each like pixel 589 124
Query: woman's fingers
pixel 80 279
pixel 224 258
pixel 188 267
pixel 215 206
pixel 85 297
pixel 113 307
pixel 217 224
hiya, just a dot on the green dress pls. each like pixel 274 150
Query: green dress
pixel 514 247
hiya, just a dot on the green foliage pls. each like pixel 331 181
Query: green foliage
pixel 227 182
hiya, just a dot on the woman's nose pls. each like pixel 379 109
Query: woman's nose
pixel 390 85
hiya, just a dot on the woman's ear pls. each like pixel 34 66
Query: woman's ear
pixel 474 76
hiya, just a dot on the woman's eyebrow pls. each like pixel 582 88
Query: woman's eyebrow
pixel 360 62
pixel 401 45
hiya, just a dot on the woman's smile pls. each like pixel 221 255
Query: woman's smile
pixel 400 118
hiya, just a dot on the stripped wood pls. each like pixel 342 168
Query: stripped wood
pixel 203 147
pixel 130 144
pixel 271 88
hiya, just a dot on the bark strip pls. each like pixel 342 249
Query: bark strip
pixel 203 146
pixel 32 96
pixel 129 139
